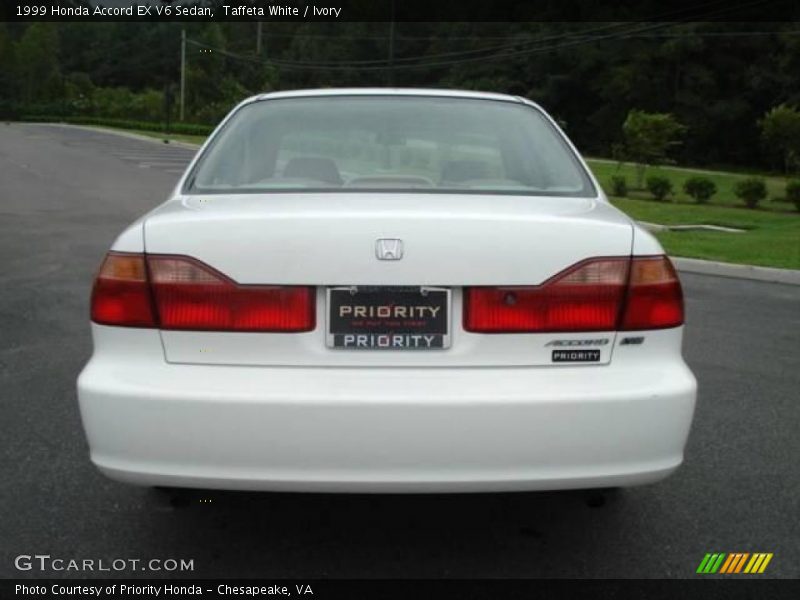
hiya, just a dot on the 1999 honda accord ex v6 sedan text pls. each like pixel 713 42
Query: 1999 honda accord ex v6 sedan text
pixel 387 290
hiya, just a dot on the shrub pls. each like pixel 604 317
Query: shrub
pixel 660 187
pixel 793 192
pixel 700 188
pixel 619 186
pixel 751 190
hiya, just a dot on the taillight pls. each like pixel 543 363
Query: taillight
pixel 601 294
pixel 655 298
pixel 189 295
pixel 121 295
pixel 585 297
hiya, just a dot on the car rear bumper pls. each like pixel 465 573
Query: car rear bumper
pixel 149 422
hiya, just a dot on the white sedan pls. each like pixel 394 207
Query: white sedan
pixel 387 290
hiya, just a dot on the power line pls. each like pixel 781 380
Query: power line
pixel 458 53
pixel 520 38
pixel 506 51
pixel 516 41
pixel 712 34
pixel 382 64
pixel 515 45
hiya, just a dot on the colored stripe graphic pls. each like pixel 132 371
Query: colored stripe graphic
pixel 741 562
pixel 711 563
pixel 755 562
pixel 727 564
pixel 715 565
pixel 734 563
pixel 703 563
pixel 764 564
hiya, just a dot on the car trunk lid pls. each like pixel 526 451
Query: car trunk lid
pixel 332 240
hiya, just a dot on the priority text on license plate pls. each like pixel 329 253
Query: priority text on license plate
pixel 388 318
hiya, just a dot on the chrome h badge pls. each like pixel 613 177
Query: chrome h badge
pixel 389 249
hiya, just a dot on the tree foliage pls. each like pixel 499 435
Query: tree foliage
pixel 780 130
pixel 36 68
pixel 713 77
pixel 649 137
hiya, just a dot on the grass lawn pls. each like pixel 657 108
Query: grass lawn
pixel 725 181
pixel 771 240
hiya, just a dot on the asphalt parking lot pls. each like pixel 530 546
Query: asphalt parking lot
pixel 65 193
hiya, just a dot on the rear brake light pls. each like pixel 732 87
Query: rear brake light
pixel 585 297
pixel 186 294
pixel 601 294
pixel 655 298
pixel 191 295
pixel 121 295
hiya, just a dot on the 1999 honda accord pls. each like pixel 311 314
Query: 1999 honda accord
pixel 387 290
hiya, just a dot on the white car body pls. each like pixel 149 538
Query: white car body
pixel 287 412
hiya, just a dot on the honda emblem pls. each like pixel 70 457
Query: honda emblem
pixel 389 249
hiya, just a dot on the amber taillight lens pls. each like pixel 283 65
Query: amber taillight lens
pixel 655 297
pixel 121 294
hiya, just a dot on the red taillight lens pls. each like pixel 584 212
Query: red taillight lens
pixel 121 295
pixel 586 297
pixel 191 295
pixel 655 298
pixel 177 292
pixel 590 296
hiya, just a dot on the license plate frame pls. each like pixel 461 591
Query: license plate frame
pixel 423 330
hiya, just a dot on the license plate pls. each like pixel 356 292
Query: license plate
pixel 388 318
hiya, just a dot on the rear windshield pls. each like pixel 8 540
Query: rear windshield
pixel 389 143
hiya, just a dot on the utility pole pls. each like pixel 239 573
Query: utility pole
pixel 258 39
pixel 183 72
pixel 168 97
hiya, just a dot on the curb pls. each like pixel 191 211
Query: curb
pixel 718 269
pixel 690 227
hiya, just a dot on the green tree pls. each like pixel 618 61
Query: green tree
pixel 648 139
pixel 7 83
pixel 36 62
pixel 206 72
pixel 780 131
pixel 78 93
